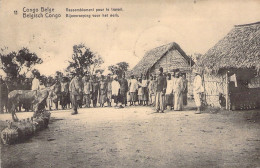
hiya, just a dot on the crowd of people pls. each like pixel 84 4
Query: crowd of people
pixel 163 91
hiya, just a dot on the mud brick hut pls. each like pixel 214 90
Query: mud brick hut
pixel 231 68
pixel 169 57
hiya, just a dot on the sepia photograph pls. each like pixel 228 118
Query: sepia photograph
pixel 138 84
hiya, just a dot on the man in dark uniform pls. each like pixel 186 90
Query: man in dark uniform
pixel 161 85
pixel 123 90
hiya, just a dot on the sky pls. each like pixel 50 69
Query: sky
pixel 196 25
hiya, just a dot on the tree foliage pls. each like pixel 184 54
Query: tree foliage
pixel 83 60
pixel 119 69
pixel 17 64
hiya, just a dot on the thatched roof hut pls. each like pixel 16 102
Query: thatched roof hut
pixel 240 48
pixel 230 68
pixel 155 55
pixel 169 57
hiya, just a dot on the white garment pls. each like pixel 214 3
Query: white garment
pixel 197 99
pixel 174 84
pixel 35 84
pixel 197 89
pixel 197 85
pixel 234 79
pixel 133 85
pixel 169 86
pixel 144 83
pixel 115 87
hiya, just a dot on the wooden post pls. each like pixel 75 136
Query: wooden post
pixel 227 92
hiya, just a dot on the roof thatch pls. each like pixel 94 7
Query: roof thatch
pixel 240 48
pixel 154 55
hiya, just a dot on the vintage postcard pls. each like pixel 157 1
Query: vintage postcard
pixel 117 83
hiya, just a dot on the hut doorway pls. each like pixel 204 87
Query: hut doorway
pixel 242 95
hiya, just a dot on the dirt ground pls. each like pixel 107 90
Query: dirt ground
pixel 137 137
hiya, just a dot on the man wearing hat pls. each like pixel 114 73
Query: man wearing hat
pixel 75 93
pixel 198 89
pixel 161 85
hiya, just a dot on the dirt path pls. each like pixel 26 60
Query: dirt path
pixel 137 137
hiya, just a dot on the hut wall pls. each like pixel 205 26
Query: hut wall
pixel 214 85
pixel 173 60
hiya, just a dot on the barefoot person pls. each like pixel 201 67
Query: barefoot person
pixel 109 91
pixel 145 83
pixel 87 92
pixel 123 90
pixel 102 91
pixel 178 90
pixel 133 87
pixel 115 90
pixel 185 89
pixel 75 92
pixel 197 90
pixel 161 85
pixel 95 88
pixel 169 94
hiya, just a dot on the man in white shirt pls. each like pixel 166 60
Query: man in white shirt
pixel 35 82
pixel 133 86
pixel 115 90
pixel 197 90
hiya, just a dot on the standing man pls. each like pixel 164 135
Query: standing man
pixel 64 93
pixel 115 90
pixel 109 90
pixel 57 91
pixel 87 91
pixel 154 87
pixel 185 89
pixel 95 86
pixel 161 85
pixel 75 92
pixel 197 90
pixel 123 90
pixel 102 91
pixel 4 95
pixel 169 94
pixel 80 101
pixel 150 91
pixel 178 90
pixel 133 86
pixel 145 83
pixel 36 82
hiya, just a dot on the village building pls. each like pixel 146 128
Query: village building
pixel 231 69
pixel 169 57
